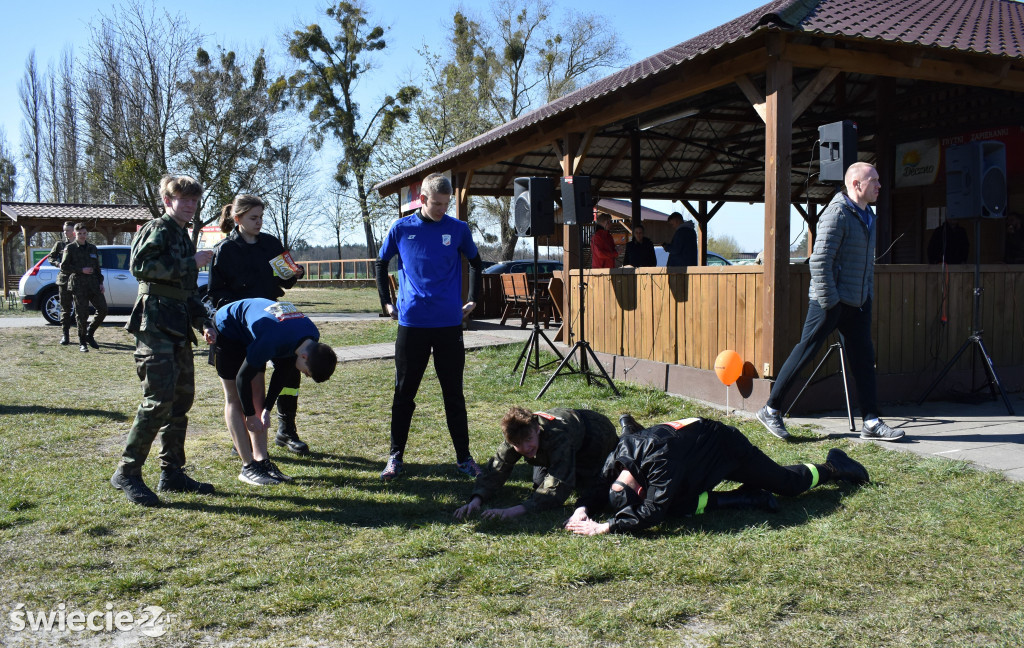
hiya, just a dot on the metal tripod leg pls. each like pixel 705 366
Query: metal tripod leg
pixel 993 379
pixel 835 346
pixel 584 349
pixel 532 346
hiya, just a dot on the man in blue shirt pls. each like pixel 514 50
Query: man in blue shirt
pixel 430 246
pixel 251 333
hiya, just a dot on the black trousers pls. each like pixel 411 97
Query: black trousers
pixel 854 326
pixel 412 352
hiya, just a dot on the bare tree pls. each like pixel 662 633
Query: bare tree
pixel 70 172
pixel 137 62
pixel 8 169
pixel 290 192
pixel 30 92
pixel 523 58
pixel 225 139
pixel 331 69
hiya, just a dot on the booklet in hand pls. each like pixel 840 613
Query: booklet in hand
pixel 284 266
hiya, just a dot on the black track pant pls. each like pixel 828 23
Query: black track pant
pixel 755 468
pixel 412 352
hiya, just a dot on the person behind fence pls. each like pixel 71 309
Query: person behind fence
pixel 81 261
pixel 670 470
pixel 430 246
pixel 640 250
pixel 242 269
pixel 602 246
pixel 249 334
pixel 682 249
pixel 167 308
pixel 842 278
pixel 566 447
pixel 63 292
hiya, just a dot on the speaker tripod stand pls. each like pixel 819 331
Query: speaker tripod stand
pixel 974 341
pixel 835 346
pixel 581 346
pixel 531 350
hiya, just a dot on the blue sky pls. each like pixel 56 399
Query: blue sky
pixel 645 28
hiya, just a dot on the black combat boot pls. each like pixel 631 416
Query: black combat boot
pixel 743 498
pixel 90 339
pixel 65 339
pixel 287 435
pixel 174 480
pixel 82 344
pixel 629 425
pixel 841 467
pixel 134 489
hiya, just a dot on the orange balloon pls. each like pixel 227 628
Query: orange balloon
pixel 728 366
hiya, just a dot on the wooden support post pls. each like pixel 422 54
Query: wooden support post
pixel 885 164
pixel 636 176
pixel 460 203
pixel 778 160
pixel 702 235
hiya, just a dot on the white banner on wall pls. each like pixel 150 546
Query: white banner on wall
pixel 917 163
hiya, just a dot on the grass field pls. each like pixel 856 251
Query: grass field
pixel 929 554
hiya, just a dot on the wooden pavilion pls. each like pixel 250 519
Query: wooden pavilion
pixel 29 219
pixel 732 116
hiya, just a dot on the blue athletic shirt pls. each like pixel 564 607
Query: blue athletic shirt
pixel 267 328
pixel 429 269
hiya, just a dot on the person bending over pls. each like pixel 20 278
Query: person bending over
pixel 670 470
pixel 250 333
pixel 566 447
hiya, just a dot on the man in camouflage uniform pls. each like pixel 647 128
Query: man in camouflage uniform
pixel 567 448
pixel 56 255
pixel 166 263
pixel 81 261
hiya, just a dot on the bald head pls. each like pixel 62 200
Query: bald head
pixel 862 184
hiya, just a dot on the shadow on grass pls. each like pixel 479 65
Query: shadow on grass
pixel 62 411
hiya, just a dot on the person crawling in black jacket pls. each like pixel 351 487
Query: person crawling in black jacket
pixel 670 470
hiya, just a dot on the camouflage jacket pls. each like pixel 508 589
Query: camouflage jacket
pixel 56 256
pixel 76 258
pixel 163 260
pixel 567 446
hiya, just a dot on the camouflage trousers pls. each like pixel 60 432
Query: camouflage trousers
pixel 85 293
pixel 168 389
pixel 67 300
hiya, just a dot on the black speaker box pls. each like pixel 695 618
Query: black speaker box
pixel 533 208
pixel 576 206
pixel 976 180
pixel 838 149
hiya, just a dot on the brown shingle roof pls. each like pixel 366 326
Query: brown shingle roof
pixel 75 212
pixel 994 27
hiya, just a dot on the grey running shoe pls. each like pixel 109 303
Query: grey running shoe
pixel 393 468
pixel 772 422
pixel 271 469
pixel 881 432
pixel 134 489
pixel 254 474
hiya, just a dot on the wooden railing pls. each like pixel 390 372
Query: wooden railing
pixel 688 318
pixel 361 269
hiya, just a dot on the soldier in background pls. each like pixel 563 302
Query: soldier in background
pixel 56 255
pixel 166 263
pixel 81 261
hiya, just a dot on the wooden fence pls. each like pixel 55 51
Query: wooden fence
pixel 688 318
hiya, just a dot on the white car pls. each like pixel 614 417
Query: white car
pixel 38 286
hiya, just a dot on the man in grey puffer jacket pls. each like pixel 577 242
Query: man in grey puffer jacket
pixel 842 275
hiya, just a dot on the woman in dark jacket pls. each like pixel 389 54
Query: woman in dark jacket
pixel 671 469
pixel 241 269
